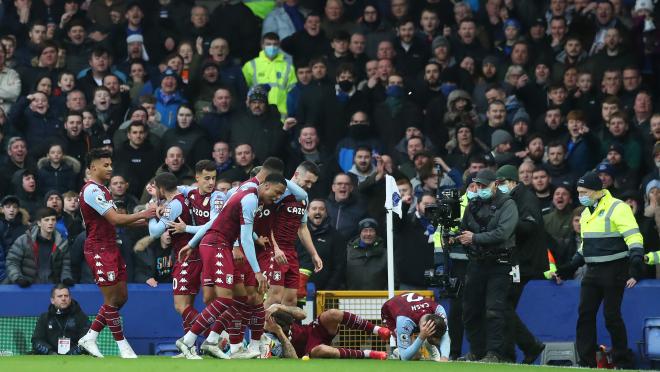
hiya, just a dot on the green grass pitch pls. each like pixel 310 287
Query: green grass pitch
pixel 166 364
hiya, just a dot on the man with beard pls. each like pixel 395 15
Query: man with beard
pixel 535 149
pixel 136 157
pixel 542 188
pixel 362 166
pixel 557 167
pixel 76 142
pixel 549 126
pixel 559 224
pixel 429 87
pixel 330 246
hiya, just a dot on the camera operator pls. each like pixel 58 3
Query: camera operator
pixel 488 230
pixel 529 258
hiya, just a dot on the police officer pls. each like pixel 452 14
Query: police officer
pixel 529 257
pixel 612 247
pixel 489 224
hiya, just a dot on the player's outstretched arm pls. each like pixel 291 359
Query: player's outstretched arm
pixel 306 239
pixel 119 219
pixel 298 192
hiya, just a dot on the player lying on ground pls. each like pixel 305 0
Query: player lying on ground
pixel 292 340
pixel 411 313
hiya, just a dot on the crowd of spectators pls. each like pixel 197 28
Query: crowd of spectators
pixel 428 91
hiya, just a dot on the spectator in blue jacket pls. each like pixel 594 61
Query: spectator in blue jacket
pixel 169 97
pixel 36 120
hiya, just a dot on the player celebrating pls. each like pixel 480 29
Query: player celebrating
pixel 102 254
pixel 408 313
pixel 186 274
pixel 235 220
pixel 292 340
pixel 291 222
pixel 205 204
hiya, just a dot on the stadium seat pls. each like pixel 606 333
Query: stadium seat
pixel 559 354
pixel 651 340
pixel 165 349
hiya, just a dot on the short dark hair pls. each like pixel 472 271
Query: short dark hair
pixel 440 324
pixel 57 287
pixel 276 178
pixel 362 148
pixel 309 167
pixel 557 144
pixel 137 123
pixel 204 165
pixel 96 154
pixel 98 51
pixel 273 165
pixel 270 36
pixel 283 319
pixel 44 212
pixel 166 180
pixel 73 113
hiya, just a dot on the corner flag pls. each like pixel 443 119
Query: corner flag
pixel 392 196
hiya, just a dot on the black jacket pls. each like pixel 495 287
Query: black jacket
pixel 137 165
pixel 331 247
pixel 531 244
pixel 413 254
pixel 71 323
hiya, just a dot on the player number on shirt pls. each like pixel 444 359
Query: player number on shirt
pixel 413 297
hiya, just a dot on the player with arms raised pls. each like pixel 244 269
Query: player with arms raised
pixel 101 251
pixel 234 221
pixel 410 313
pixel 292 340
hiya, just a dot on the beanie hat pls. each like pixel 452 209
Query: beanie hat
pixel 438 42
pixel 499 137
pixel 590 181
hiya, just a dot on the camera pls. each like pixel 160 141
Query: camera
pixel 445 214
pixel 446 211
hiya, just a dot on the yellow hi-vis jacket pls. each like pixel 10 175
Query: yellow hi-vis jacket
pixel 609 233
pixel 278 73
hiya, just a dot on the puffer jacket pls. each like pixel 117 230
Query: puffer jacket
pixel 366 265
pixel 22 264
pixel 62 179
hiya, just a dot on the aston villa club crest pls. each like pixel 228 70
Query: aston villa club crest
pixel 111 276
pixel 206 201
pixel 277 275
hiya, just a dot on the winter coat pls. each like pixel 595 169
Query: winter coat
pixel 366 266
pixel 29 201
pixel 62 179
pixel 22 264
pixel 264 133
pixel 192 140
pixel 345 215
pixel 217 125
pixel 413 248
pixel 137 165
pixel 531 245
pixel 167 107
pixel 331 247
pixel 38 129
pixel 71 323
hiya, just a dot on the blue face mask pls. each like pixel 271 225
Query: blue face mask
pixel 504 189
pixel 485 193
pixel 271 50
pixel 471 195
pixel 394 91
pixel 447 88
pixel 586 201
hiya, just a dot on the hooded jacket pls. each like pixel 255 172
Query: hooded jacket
pixel 29 201
pixel 22 264
pixel 62 179
pixel 192 140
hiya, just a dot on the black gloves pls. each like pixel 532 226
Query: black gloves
pixel 68 282
pixel 636 269
pixel 567 271
pixel 23 283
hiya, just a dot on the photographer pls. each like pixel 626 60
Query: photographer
pixel 488 231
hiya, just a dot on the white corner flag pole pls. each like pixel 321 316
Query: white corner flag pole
pixel 390 254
